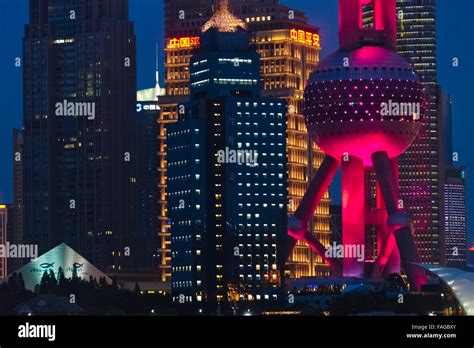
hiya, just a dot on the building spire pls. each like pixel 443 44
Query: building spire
pixel 157 72
pixel 223 20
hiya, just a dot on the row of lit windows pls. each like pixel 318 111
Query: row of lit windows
pixel 255 124
pixel 224 81
pixel 235 61
pixel 257 215
pixel 258 19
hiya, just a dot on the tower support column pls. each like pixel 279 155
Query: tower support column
pixel 353 217
pixel 399 221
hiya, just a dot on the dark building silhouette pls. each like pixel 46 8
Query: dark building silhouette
pixel 454 208
pixel 16 215
pixel 148 148
pixel 79 107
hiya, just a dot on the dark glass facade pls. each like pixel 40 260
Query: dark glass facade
pixel 79 107
pixel 148 192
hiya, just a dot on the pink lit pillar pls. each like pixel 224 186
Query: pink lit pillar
pixel 298 223
pixel 388 260
pixel 350 22
pixel 399 221
pixel 386 20
pixel 353 215
pixel 393 264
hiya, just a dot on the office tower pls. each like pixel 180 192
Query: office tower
pixel 289 49
pixel 162 251
pixel 455 215
pixel 148 148
pixel 3 239
pixel 227 175
pixel 79 108
pixel 16 218
pixel 422 166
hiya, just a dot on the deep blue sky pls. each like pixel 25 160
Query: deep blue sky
pixel 455 39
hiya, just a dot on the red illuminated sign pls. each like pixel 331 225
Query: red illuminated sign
pixel 305 37
pixel 184 42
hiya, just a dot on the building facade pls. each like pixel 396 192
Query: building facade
pixel 148 146
pixel 226 178
pixel 289 50
pixel 16 218
pixel 455 217
pixel 79 181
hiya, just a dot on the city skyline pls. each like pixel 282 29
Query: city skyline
pixel 322 13
pixel 189 163
pixel 238 157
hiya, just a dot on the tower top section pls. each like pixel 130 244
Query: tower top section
pixel 223 20
pixel 354 33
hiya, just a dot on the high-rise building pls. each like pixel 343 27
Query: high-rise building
pixel 422 165
pixel 289 50
pixel 3 238
pixel 16 218
pixel 148 147
pixel 227 175
pixel 79 109
pixel 455 215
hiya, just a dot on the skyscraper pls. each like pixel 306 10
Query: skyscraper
pixel 289 49
pixel 422 165
pixel 148 148
pixel 455 223
pixel 227 175
pixel 16 217
pixel 79 107
pixel 453 198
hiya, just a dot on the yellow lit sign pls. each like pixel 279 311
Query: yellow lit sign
pixel 3 206
pixel 184 42
pixel 305 37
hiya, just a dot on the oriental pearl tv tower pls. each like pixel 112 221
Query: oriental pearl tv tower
pixel 363 107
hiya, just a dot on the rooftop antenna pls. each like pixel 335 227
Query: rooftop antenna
pixel 157 71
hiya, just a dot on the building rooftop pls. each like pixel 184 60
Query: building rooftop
pixel 223 20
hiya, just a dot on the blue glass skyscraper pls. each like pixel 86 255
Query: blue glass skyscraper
pixel 227 178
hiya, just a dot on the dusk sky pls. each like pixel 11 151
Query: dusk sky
pixel 455 39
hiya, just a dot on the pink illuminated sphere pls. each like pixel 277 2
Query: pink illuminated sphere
pixel 364 101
